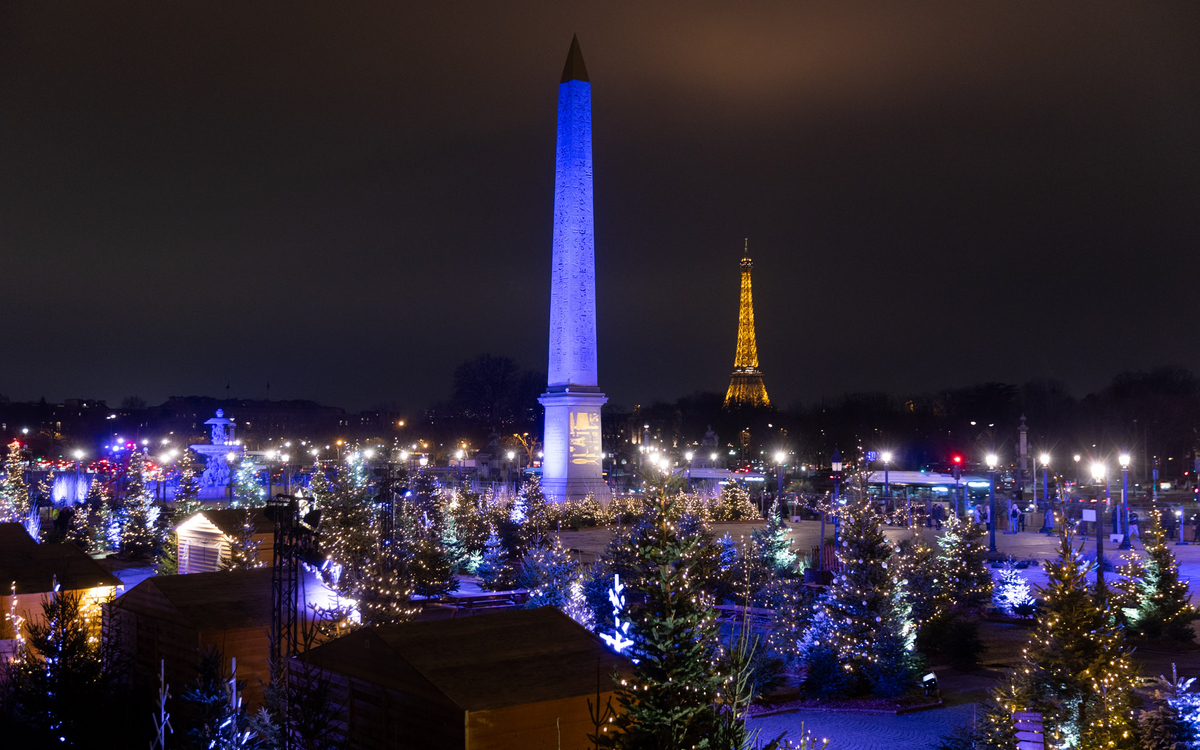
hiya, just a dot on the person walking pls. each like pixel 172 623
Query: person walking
pixel 1021 522
pixel 1013 518
pixel 1134 533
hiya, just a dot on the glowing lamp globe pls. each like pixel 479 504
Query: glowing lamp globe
pixel 886 457
pixel 1098 470
pixel 1124 459
pixel 992 460
pixel 1045 459
pixel 780 457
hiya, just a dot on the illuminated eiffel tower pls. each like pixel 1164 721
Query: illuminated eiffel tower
pixel 746 386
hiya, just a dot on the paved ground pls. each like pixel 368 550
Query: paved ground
pixel 867 732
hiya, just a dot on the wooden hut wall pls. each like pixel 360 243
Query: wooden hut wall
pixel 379 718
pixel 534 726
pixel 152 630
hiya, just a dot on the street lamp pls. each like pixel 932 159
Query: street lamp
pixel 1077 459
pixel 992 460
pixel 886 457
pixel 1124 461
pixel 1047 513
pixel 835 462
pixel 689 456
pixel 1099 471
pixel 780 457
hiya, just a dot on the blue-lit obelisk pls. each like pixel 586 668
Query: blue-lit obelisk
pixel 571 467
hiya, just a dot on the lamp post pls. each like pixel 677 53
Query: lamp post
pixel 1077 459
pixel 459 454
pixel 1155 477
pixel 991 462
pixel 780 457
pixel 689 455
pixel 1047 514
pixel 1124 460
pixel 1099 471
pixel 1179 516
pixel 835 462
pixel 511 455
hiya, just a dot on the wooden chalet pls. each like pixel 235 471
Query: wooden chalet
pixel 32 570
pixel 204 537
pixel 173 618
pixel 514 680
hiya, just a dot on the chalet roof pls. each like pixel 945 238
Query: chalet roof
pixel 14 536
pixel 34 567
pixel 225 600
pixel 230 520
pixel 479 663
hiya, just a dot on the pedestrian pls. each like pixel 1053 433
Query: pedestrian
pixel 1013 516
pixel 938 514
pixel 1022 522
pixel 978 513
pixel 1133 527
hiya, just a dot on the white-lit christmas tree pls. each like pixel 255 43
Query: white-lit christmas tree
pixel 548 572
pixel 861 636
pixel 14 490
pixel 1155 600
pixel 1012 594
pixel 962 563
pixel 138 536
pixel 495 571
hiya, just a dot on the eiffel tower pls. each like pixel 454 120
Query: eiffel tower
pixel 746 386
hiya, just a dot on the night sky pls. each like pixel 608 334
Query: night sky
pixel 349 199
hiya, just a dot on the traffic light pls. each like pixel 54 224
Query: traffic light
pixel 956 462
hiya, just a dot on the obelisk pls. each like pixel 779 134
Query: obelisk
pixel 572 461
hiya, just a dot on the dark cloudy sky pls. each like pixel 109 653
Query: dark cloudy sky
pixel 349 199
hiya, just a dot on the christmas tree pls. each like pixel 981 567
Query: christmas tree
pixel 243 547
pixel 347 535
pixel 791 616
pixel 138 537
pixel 1075 670
pixel 432 573
pixel 734 505
pixel 384 591
pixel 45 489
pixel 495 573
pixel 861 637
pixel 1012 594
pixel 920 581
pixel 548 573
pixel 671 700
pixel 187 490
pixel 1153 599
pixel 246 490
pixel 774 544
pixel 65 678
pixel 962 565
pixel 14 491
pixel 456 552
